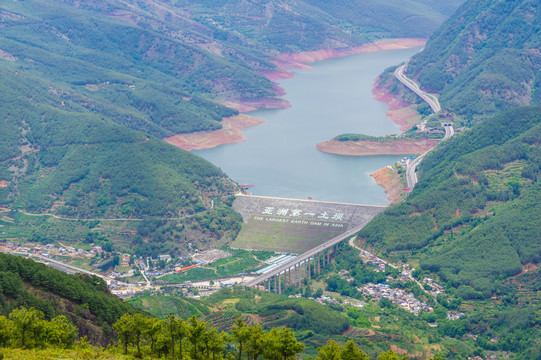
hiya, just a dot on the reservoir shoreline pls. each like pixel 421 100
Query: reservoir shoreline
pixel 373 147
pixel 390 180
pixel 232 127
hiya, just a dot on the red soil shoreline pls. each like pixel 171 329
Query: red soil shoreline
pixel 371 147
pixel 390 180
pixel 232 131
pixel 299 60
pixel 400 112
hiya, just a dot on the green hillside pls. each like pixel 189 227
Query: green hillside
pixel 88 88
pixel 92 165
pixel 484 59
pixel 315 24
pixel 473 215
pixel 84 300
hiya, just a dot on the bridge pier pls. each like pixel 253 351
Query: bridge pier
pixel 289 277
pixel 302 265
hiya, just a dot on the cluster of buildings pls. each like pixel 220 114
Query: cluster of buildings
pixel 344 274
pixel 372 259
pixel 400 297
pixel 51 249
pixel 455 315
pixel 435 288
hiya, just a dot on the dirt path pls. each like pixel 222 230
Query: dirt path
pixel 20 156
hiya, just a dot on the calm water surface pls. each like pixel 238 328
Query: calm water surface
pixel 332 98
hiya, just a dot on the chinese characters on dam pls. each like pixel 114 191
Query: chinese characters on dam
pixel 269 210
pixel 295 226
pixel 300 217
pixel 299 222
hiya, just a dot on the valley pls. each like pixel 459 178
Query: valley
pixel 168 158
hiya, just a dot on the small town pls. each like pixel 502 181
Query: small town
pixel 403 299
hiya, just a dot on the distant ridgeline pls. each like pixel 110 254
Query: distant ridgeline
pixel 473 218
pixel 484 59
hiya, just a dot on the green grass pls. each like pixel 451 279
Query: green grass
pixel 161 306
pixel 240 261
pixel 283 237
pixel 59 354
pixel 190 275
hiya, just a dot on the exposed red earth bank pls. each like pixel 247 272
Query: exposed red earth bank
pixel 232 127
pixel 231 132
pixel 372 147
pixel 400 112
pixel 299 60
pixel 390 180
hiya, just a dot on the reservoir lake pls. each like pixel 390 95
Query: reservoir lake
pixel 334 97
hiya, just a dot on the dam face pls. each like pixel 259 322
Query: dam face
pixel 294 225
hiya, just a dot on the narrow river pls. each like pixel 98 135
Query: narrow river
pixel 332 98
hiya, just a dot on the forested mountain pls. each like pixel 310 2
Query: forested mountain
pixel 484 59
pixel 53 149
pixel 84 300
pixel 146 56
pixel 473 218
pixel 314 24
pixel 77 75
pixel 88 88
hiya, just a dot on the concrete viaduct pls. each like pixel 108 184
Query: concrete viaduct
pixel 294 271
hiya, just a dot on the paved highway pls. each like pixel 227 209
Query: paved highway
pixel 449 131
pixel 430 99
pixel 302 258
pixel 73 268
pixel 411 174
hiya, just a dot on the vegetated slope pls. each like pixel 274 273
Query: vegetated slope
pixel 141 63
pixel 314 24
pixel 141 78
pixel 89 165
pixel 417 18
pixel 484 59
pixel 163 305
pixel 313 322
pixel 474 215
pixel 85 300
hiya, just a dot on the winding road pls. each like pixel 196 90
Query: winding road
pixel 429 98
pixel 411 174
